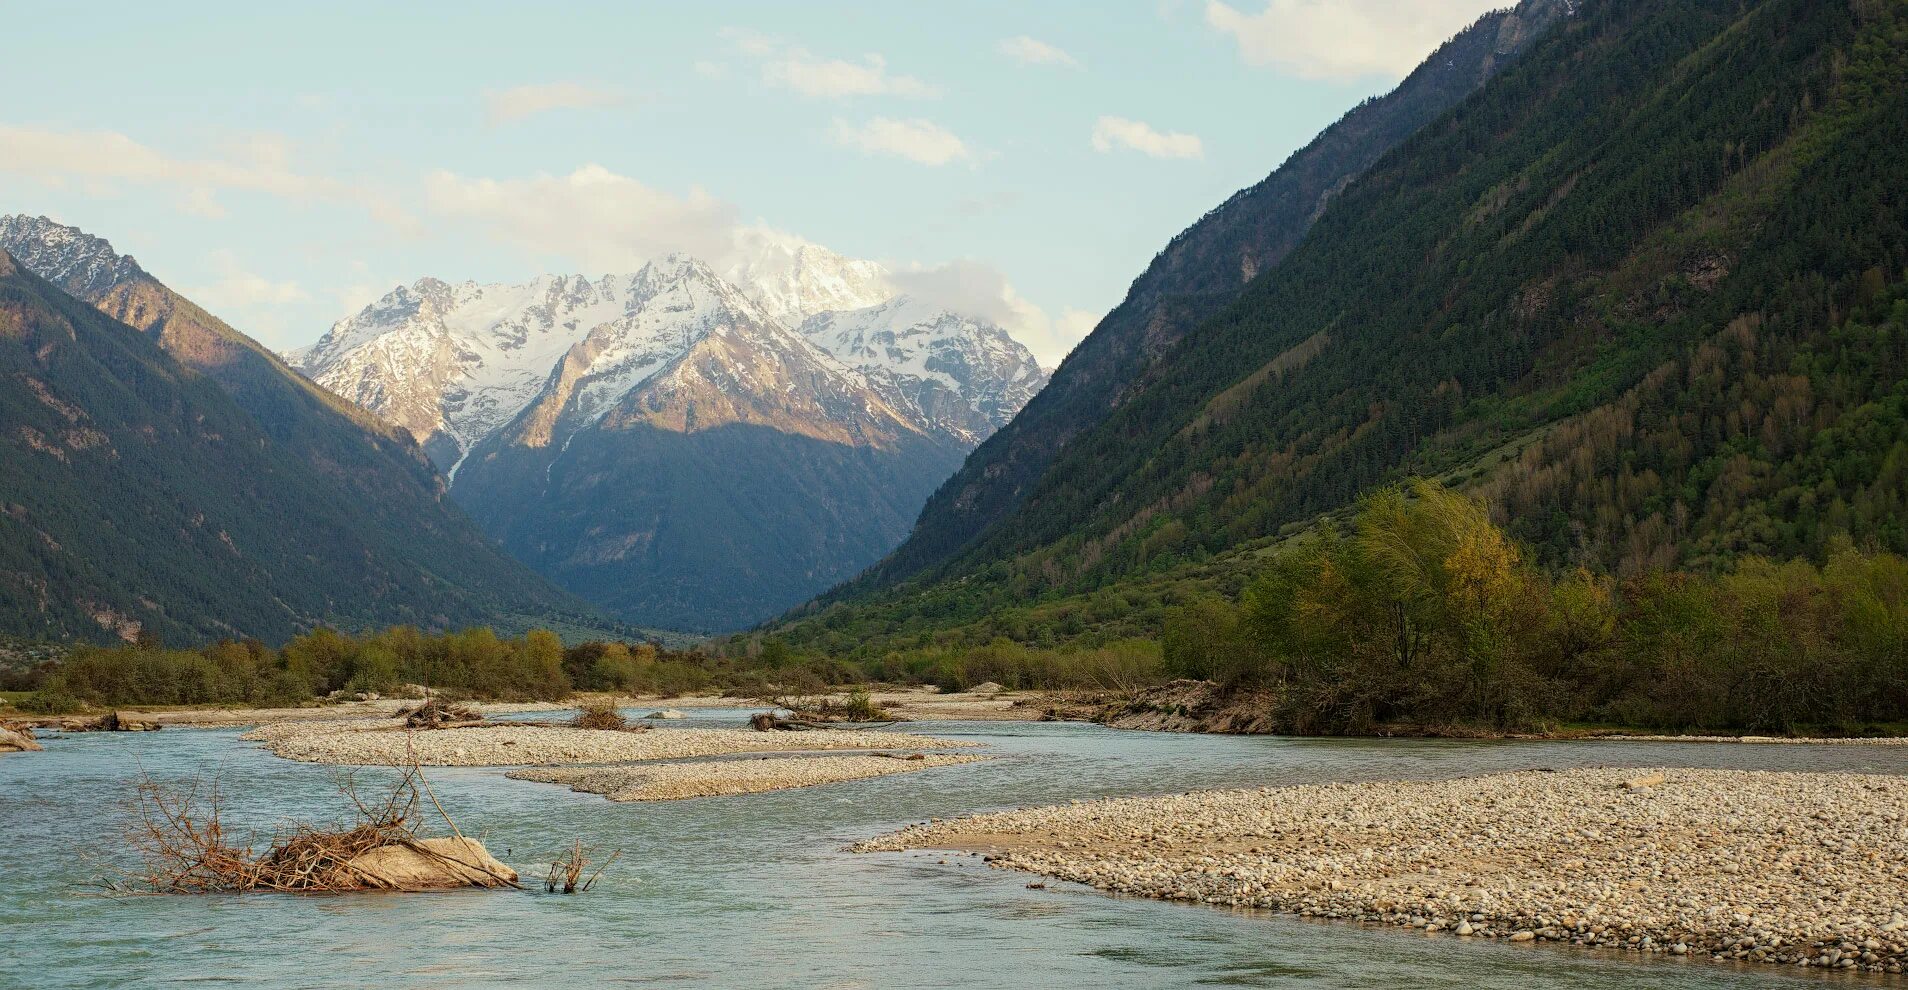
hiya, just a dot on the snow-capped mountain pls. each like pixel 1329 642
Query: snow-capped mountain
pixel 793 280
pixel 692 353
pixel 954 374
pixel 70 258
pixel 454 364
pixel 690 450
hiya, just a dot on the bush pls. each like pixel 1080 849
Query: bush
pixel 598 713
pixel 50 701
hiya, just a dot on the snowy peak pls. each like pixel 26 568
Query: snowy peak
pixel 453 363
pixel 83 265
pixel 759 373
pixel 675 344
pixel 793 280
pixel 957 375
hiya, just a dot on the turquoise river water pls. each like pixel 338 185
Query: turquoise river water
pixel 755 891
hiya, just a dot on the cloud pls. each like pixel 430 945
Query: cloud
pixel 1118 132
pixel 593 217
pixel 915 140
pixel 506 106
pixel 244 297
pixel 1031 51
pixel 1345 39
pixel 978 289
pixel 793 67
pixel 711 70
pixel 97 160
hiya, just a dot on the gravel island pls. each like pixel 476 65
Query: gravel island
pixel 1800 869
pixel 378 743
pixel 674 781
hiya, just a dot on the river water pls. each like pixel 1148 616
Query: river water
pixel 754 891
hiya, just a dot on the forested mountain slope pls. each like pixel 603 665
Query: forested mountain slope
pixel 140 495
pixel 1643 289
pixel 1199 273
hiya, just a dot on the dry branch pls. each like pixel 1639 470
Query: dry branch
pixel 185 848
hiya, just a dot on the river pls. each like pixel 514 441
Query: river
pixel 755 891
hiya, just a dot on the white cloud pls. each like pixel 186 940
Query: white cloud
pixel 1345 39
pixel 594 217
pixel 246 298
pixel 1074 324
pixel 793 67
pixel 1118 132
pixel 979 289
pixel 1032 51
pixel 505 106
pixel 98 160
pixel 711 70
pixel 915 140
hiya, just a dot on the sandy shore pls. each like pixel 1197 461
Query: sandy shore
pixel 674 781
pixel 1790 868
pixel 379 743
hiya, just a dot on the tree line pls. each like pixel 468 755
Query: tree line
pixel 1423 612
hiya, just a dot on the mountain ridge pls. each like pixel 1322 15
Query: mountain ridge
pixel 1644 289
pixel 1202 269
pixel 338 450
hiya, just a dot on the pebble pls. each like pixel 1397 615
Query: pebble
pixel 1801 869
pixel 362 742
pixel 674 781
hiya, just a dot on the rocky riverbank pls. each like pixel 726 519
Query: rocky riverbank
pixel 1785 868
pixel 379 743
pixel 674 781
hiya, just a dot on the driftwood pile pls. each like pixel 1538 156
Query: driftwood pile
pixel 435 713
pixel 600 713
pixel 806 713
pixel 771 722
pixel 184 848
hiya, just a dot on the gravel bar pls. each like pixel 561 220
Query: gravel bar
pixel 1800 869
pixel 674 781
pixel 378 743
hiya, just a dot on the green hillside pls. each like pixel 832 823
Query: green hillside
pixel 1642 292
pixel 1198 274
pixel 138 496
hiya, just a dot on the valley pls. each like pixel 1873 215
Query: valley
pixel 1471 552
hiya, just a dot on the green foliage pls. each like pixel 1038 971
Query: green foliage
pixel 49 702
pixel 1425 613
pixel 1196 276
pixel 1643 292
pixel 472 662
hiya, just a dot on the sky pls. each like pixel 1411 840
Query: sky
pixel 285 164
